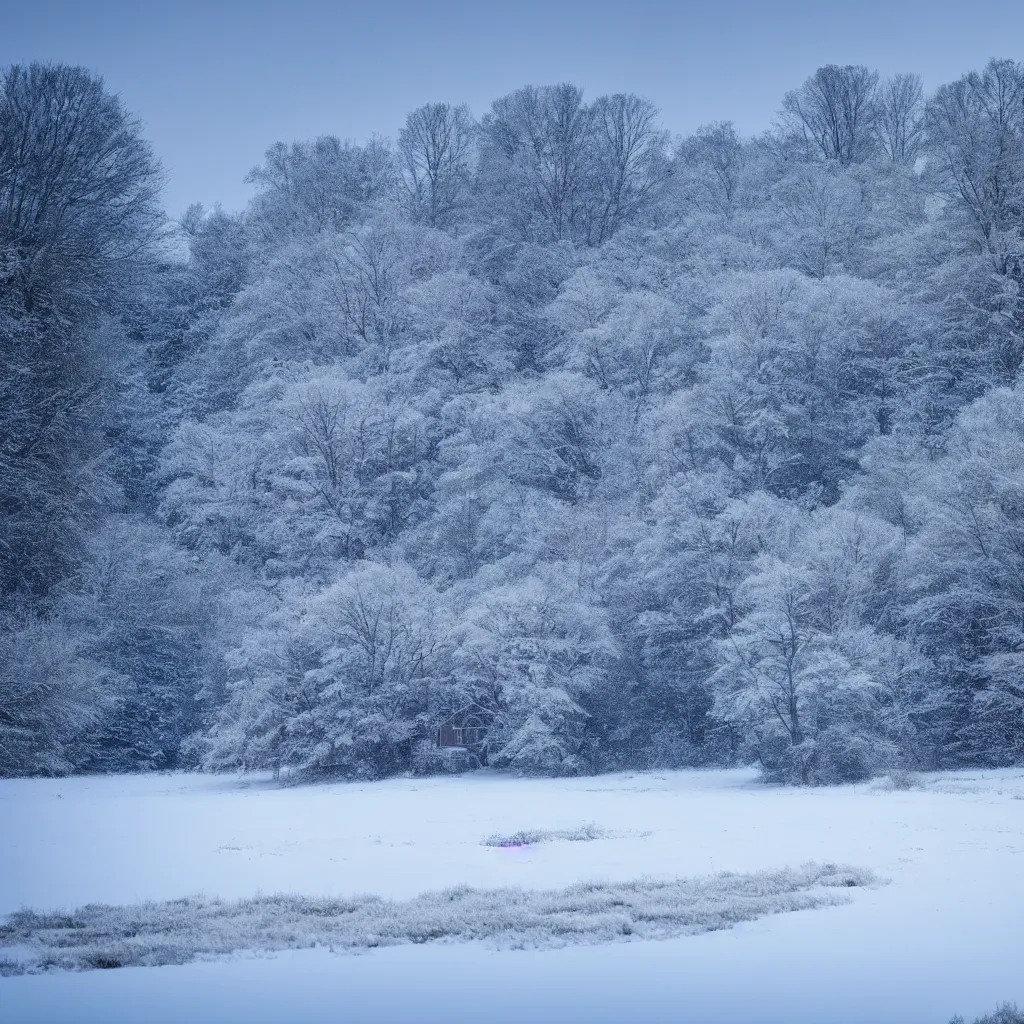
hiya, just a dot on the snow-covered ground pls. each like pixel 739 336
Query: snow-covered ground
pixel 946 935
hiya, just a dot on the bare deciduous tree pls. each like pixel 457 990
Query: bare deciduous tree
pixel 899 117
pixel 629 157
pixel 562 170
pixel 834 110
pixel 976 138
pixel 542 136
pixel 436 147
pixel 323 185
pixel 714 159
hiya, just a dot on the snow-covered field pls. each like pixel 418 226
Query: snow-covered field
pixel 945 935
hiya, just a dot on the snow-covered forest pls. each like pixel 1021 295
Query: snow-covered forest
pixel 660 452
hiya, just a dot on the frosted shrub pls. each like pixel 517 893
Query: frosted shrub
pixel 833 758
pixel 902 780
pixel 535 749
pixel 842 756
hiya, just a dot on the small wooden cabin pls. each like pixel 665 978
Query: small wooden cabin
pixel 465 728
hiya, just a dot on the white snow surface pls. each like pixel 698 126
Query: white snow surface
pixel 945 936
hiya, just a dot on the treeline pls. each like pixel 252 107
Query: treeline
pixel 657 452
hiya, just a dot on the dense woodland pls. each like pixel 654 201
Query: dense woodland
pixel 662 452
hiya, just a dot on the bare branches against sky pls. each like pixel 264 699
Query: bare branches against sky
pixel 216 83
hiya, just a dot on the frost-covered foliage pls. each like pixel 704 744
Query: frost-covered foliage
pixel 54 697
pixel 650 453
pixel 152 934
pixel 1006 1014
pixel 340 681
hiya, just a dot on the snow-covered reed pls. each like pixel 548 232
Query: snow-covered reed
pixel 177 931
pixel 530 837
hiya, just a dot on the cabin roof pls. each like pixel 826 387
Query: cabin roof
pixel 470 710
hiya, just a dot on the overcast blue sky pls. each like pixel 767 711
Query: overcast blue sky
pixel 216 82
